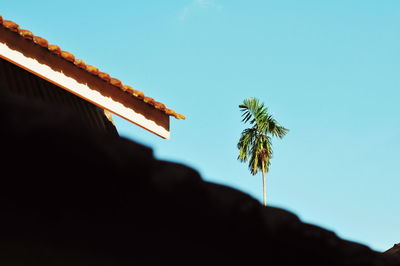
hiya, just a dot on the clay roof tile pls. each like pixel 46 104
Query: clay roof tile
pixel 26 34
pixel 41 41
pixel 80 63
pixel 11 25
pixel 92 69
pixel 149 100
pixel 115 82
pixel 104 76
pixel 68 56
pixel 127 88
pixel 159 106
pixel 138 94
pixel 179 116
pixel 54 49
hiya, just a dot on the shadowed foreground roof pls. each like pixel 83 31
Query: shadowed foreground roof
pixel 93 199
pixel 395 250
pixel 54 49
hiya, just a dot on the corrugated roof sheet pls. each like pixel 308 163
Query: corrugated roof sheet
pixel 55 49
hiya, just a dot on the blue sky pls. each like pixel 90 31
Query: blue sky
pixel 327 70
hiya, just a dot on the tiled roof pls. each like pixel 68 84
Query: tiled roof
pixel 55 49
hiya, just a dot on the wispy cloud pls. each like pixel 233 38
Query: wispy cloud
pixel 197 4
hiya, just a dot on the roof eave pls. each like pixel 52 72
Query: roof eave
pixel 37 60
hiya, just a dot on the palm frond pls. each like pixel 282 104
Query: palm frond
pixel 245 143
pixel 260 154
pixel 251 108
pixel 274 128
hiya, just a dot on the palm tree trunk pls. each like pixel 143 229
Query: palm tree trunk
pixel 264 185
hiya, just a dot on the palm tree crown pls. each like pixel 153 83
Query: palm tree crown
pixel 255 142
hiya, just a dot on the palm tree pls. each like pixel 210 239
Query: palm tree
pixel 255 142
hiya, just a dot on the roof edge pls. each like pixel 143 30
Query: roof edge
pixel 55 49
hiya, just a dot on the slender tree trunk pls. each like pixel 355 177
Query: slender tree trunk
pixel 264 186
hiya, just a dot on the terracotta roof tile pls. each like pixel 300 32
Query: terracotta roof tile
pixel 68 56
pixel 92 70
pixel 138 94
pixel 26 34
pixel 54 48
pixel 159 106
pixel 179 116
pixel 39 40
pixel 11 25
pixel 115 82
pixel 127 88
pixel 89 68
pixel 80 63
pixel 169 111
pixel 104 76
